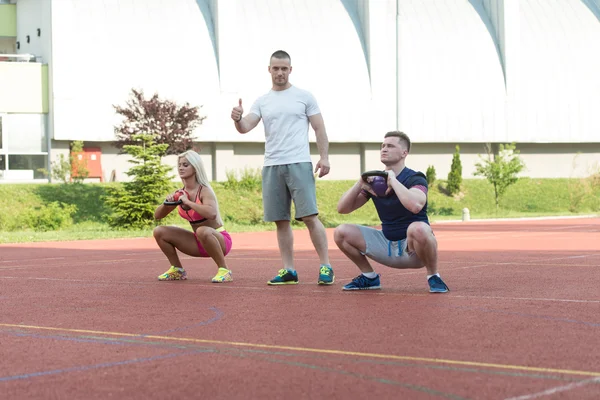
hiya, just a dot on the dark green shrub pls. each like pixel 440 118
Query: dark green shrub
pixel 430 174
pixel 455 174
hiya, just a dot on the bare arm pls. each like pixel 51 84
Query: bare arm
pixel 163 210
pixel 317 123
pixel 247 123
pixel 243 124
pixel 208 208
pixel 412 199
pixel 353 199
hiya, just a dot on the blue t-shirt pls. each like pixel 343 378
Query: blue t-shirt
pixel 395 218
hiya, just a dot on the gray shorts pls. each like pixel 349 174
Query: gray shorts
pixel 283 183
pixel 387 252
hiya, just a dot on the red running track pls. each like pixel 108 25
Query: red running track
pixel 89 320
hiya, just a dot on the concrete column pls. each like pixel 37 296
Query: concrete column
pixel 223 156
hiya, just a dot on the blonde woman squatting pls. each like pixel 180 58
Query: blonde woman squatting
pixel 200 207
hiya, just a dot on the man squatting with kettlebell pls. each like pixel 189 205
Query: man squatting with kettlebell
pixel 406 239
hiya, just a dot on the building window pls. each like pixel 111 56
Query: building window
pixel 27 166
pixel 25 133
pixel 23 147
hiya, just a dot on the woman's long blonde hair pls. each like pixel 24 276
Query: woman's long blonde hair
pixel 196 161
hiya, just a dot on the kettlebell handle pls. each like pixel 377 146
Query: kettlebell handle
pixel 374 172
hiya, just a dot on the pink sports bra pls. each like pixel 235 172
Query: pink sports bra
pixel 191 215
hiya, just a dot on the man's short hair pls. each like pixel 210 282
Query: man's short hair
pixel 281 55
pixel 401 137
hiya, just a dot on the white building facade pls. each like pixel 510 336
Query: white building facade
pixel 446 72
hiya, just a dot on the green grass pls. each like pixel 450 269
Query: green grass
pixel 528 197
pixel 241 206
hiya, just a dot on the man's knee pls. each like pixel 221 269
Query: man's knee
pixel 343 233
pixel 349 235
pixel 311 220
pixel 419 232
pixel 282 223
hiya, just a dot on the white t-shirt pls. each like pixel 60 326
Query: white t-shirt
pixel 285 118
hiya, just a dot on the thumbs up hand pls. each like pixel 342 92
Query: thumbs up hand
pixel 237 112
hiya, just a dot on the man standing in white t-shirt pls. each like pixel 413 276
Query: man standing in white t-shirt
pixel 287 174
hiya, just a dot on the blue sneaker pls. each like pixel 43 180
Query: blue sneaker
pixel 361 282
pixel 437 285
pixel 326 276
pixel 285 277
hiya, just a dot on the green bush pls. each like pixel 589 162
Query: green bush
pixel 133 203
pixel 430 175
pixel 455 174
pixel 51 217
pixel 501 169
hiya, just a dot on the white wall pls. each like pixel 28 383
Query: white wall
pixel 564 160
pixel 348 160
pixel 560 84
pixel 378 19
pixel 467 71
pixel 451 78
pixel 451 72
pixel 103 48
pixel 327 59
pixel 168 47
pixel 31 15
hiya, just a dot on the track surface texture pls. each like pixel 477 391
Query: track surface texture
pixel 89 320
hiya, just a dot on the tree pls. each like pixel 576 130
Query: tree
pixel 134 203
pixel 500 169
pixel 455 174
pixel 430 175
pixel 172 124
pixel 79 169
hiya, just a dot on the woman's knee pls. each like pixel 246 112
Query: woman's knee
pixel 203 232
pixel 159 232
